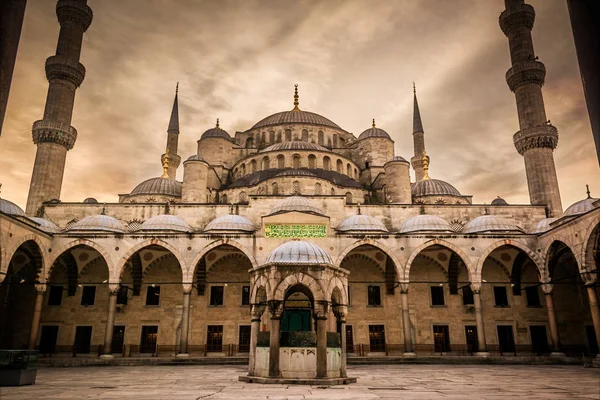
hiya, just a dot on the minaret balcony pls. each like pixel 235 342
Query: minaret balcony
pixel 64 68
pixel 536 137
pixel 45 131
pixel 526 72
pixel 513 19
pixel 73 11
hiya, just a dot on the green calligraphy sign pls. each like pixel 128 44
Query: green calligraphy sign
pixel 295 231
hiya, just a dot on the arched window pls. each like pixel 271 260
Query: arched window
pixel 253 166
pixel 278 137
pixel 329 142
pixel 340 166
pixel 249 142
pixel 296 161
pixel 243 199
pixel 321 138
pixel 349 170
pixel 355 173
pixel 348 198
pixel 312 161
pixel 266 164
pixel 280 161
pixel 332 191
pixel 296 187
pixel 317 188
pixel 271 137
pixel 243 169
pixel 288 135
pixel 335 141
pixel 326 163
pixel 257 139
pixel 263 138
pixel 304 135
pixel 224 199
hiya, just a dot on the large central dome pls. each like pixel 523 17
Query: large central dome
pixel 295 117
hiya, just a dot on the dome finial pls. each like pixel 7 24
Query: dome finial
pixel 165 164
pixel 414 88
pixel 373 122
pixel 587 189
pixel 217 123
pixel 296 97
pixel 425 167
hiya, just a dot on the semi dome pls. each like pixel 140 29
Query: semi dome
pixel 45 225
pixel 295 145
pixel 296 203
pixel 299 252
pixel 489 223
pixel 98 223
pixel 230 222
pixel 580 207
pixel 90 200
pixel 295 117
pixel 499 201
pixel 543 225
pixel 433 187
pixel 8 207
pixel 373 131
pixel 398 158
pixel 161 186
pixel 215 132
pixel 166 222
pixel 425 223
pixel 361 223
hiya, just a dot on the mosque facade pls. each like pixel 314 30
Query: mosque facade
pixel 298 225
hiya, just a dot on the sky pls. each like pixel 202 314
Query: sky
pixel 353 60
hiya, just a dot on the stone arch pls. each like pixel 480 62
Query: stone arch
pixel 542 272
pixel 312 161
pixel 221 242
pixel 373 243
pixel 154 263
pixel 465 259
pixel 299 278
pixel 280 161
pixel 149 242
pixel 591 243
pixel 548 260
pixel 261 283
pixel 79 242
pixel 434 262
pixel 336 283
pixel 8 255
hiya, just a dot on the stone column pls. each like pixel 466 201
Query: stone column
pixel 185 323
pixel 321 316
pixel 481 344
pixel 595 310
pixel 110 321
pixel 37 313
pixel 276 310
pixel 554 338
pixel 340 314
pixel 257 312
pixel 408 345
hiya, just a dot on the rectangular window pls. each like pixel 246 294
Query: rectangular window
pixel 533 296
pixel 245 295
pixel 441 339
pixel 118 339
pixel 122 295
pixel 506 339
pixel 376 337
pixel 216 295
pixel 244 339
pixel 500 296
pixel 437 296
pixel 472 340
pixel 349 339
pixel 83 338
pixel 374 295
pixel 55 295
pixel 467 293
pixel 153 296
pixel 88 295
pixel 214 338
pixel 148 339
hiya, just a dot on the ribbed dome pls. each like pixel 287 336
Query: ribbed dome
pixel 582 206
pixel 499 201
pixel 8 207
pixel 215 132
pixel 543 225
pixel 230 223
pixel 295 145
pixel 296 203
pixel 299 252
pixel 425 223
pixel 195 157
pixel 90 200
pixel 374 132
pixel 45 225
pixel 163 186
pixel 361 223
pixel 295 117
pixel 99 223
pixel 489 223
pixel 166 222
pixel 433 187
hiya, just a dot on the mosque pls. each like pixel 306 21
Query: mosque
pixel 297 225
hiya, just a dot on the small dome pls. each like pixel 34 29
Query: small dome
pixel 361 223
pixel 230 223
pixel 296 203
pixel 433 187
pixel 45 225
pixel 581 207
pixel 295 117
pixel 215 132
pixel 425 223
pixel 295 145
pixel 398 158
pixel 499 201
pixel 374 132
pixel 98 223
pixel 8 207
pixel 161 186
pixel 543 225
pixel 489 223
pixel 90 200
pixel 166 222
pixel 195 157
pixel 299 252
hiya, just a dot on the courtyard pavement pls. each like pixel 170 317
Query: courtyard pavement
pixel 374 382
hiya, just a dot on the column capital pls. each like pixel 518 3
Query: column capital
pixel 321 309
pixel 476 287
pixel 40 288
pixel 547 287
pixel 590 278
pixel 275 308
pixel 187 287
pixel 340 312
pixel 403 287
pixel 257 311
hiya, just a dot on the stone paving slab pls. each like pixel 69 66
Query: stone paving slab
pixel 406 382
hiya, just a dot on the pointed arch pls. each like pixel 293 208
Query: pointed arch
pixel 118 272
pixel 7 255
pixel 509 242
pixel 189 275
pixel 336 283
pixel 374 243
pixel 590 244
pixel 261 283
pixel 465 259
pixel 78 242
pixel 299 279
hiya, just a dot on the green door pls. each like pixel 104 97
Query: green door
pixel 296 320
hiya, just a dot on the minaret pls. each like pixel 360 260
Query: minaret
pixel 173 137
pixel 54 135
pixel 418 140
pixel 537 138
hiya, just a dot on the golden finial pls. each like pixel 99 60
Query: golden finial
pixel 373 123
pixel 587 189
pixel 296 102
pixel 425 167
pixel 217 122
pixel 165 164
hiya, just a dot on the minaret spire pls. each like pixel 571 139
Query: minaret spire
pixel 418 140
pixel 173 139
